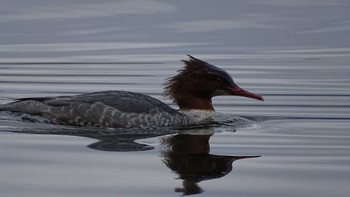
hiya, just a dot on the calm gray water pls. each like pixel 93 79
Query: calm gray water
pixel 294 53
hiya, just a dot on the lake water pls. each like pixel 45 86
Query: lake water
pixel 295 54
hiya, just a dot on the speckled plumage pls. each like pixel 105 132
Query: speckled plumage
pixel 103 109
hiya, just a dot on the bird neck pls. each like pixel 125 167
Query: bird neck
pixel 190 102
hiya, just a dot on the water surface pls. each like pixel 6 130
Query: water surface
pixel 295 143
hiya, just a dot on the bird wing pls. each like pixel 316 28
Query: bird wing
pixel 124 101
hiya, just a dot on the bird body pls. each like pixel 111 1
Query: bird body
pixel 192 89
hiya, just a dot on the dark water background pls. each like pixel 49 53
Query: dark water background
pixel 294 53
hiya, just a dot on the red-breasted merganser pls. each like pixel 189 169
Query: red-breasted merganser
pixel 191 89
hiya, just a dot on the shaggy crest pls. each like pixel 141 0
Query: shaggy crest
pixel 195 72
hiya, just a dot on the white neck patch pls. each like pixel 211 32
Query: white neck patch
pixel 198 115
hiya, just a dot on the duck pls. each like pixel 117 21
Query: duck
pixel 192 89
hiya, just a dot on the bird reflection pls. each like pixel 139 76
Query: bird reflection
pixel 184 151
pixel 188 156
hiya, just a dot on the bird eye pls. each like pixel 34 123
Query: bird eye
pixel 218 80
